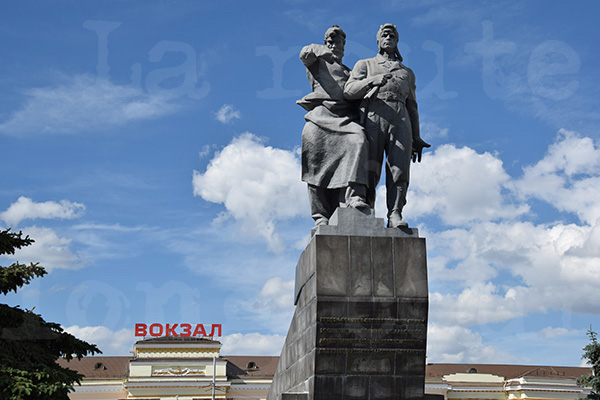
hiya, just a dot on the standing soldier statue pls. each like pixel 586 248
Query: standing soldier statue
pixel 388 108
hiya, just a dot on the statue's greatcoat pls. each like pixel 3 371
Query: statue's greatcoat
pixel 334 151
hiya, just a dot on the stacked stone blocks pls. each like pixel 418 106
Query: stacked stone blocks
pixel 360 325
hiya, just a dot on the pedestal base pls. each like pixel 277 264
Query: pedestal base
pixel 360 325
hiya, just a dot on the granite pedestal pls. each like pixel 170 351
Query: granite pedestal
pixel 360 325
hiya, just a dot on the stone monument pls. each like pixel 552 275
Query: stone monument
pixel 360 326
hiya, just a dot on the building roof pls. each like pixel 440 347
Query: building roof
pixel 99 367
pixel 248 367
pixel 117 367
pixel 244 367
pixel 507 371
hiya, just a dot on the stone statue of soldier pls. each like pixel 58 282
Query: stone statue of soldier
pixel 388 108
pixel 334 145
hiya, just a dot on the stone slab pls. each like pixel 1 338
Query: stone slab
pixel 350 221
pixel 364 266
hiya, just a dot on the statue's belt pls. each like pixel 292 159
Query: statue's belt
pixel 391 96
pixel 383 96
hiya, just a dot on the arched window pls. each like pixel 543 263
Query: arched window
pixel 251 365
pixel 99 366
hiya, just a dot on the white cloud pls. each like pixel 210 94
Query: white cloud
pixel 258 185
pixel 495 268
pixel 537 257
pixel 97 242
pixel 227 113
pixel 538 91
pixel 551 332
pixel 83 103
pixel 252 344
pixel 454 344
pixel 25 208
pixel 479 304
pixel 380 201
pixel 568 177
pixel 205 151
pixel 276 295
pixel 108 227
pixel 272 307
pixel 50 250
pixel 460 186
pixel 431 130
pixel 111 343
pixel 587 247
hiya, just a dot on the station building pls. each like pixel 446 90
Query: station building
pixel 191 368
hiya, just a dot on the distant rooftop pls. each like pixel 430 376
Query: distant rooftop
pixel 99 367
pixel 506 371
pixel 117 367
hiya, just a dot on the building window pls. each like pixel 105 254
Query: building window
pixel 252 365
pixel 99 366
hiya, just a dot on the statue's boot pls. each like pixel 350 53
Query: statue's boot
pixel 395 220
pixel 355 196
pixel 396 199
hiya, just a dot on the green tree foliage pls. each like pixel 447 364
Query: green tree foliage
pixel 30 346
pixel 591 353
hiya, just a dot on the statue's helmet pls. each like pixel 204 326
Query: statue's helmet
pixel 395 30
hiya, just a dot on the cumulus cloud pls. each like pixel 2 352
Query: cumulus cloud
pixel 460 185
pixel 274 305
pixel 49 249
pixel 276 295
pixel 380 202
pixel 258 185
pixel 536 257
pixel 455 344
pixel 81 103
pixel 227 113
pixel 252 344
pixel 479 304
pixel 568 177
pixel 499 267
pixel 111 343
pixel 25 208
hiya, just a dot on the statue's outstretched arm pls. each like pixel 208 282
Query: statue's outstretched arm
pixel 310 53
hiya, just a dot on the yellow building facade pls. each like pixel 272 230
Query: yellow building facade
pixel 174 368
pixel 178 368
pixel 504 382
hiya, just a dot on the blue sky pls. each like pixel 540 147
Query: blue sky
pixel 152 151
